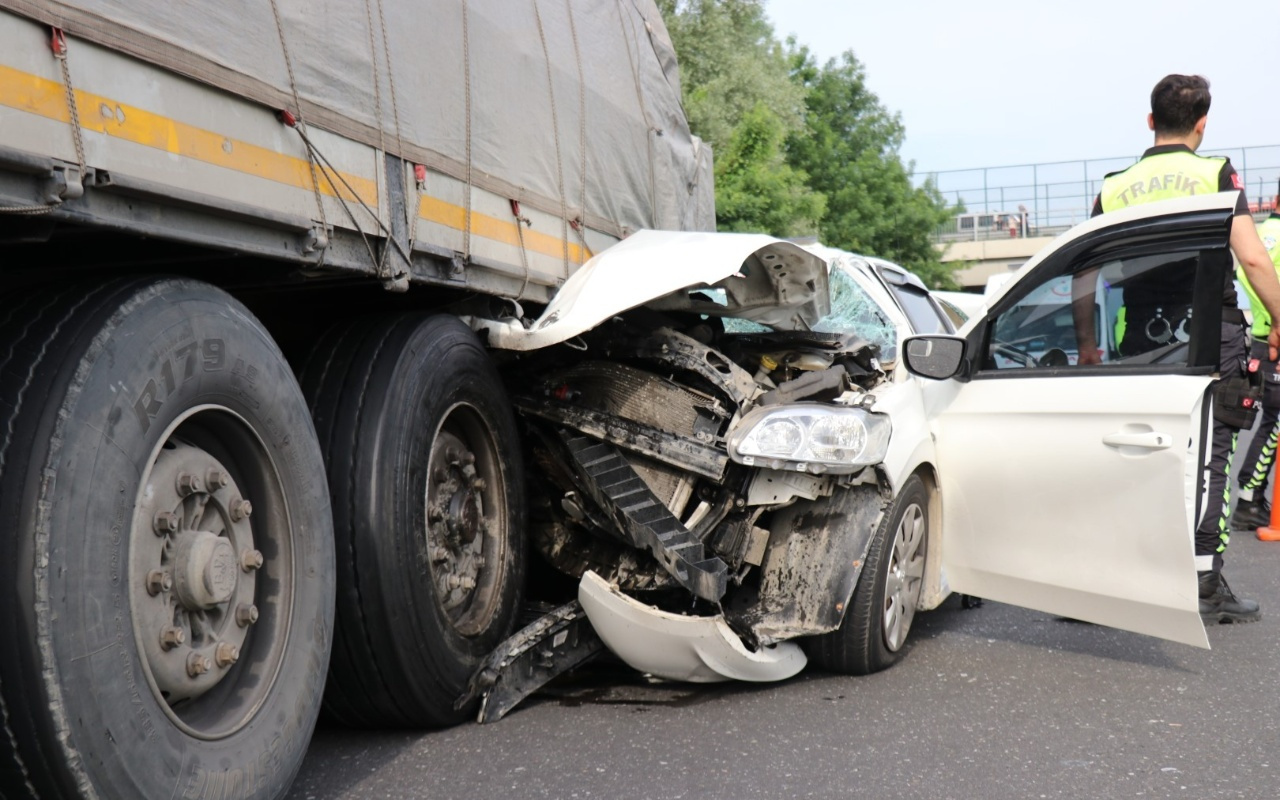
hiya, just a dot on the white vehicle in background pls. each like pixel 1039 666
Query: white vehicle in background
pixel 960 306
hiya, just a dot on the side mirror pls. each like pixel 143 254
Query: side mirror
pixel 934 356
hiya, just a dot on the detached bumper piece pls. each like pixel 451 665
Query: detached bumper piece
pixel 680 648
pixel 644 520
pixel 530 658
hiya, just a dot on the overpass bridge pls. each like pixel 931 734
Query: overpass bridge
pixel 1010 212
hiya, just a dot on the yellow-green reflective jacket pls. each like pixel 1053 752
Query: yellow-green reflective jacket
pixel 1162 176
pixel 1269 231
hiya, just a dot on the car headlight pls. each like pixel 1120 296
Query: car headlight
pixel 810 438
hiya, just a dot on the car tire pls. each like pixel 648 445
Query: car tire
pixel 873 634
pixel 419 438
pixel 166 560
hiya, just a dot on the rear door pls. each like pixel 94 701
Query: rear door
pixel 1074 489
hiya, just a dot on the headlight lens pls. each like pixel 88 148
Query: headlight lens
pixel 810 438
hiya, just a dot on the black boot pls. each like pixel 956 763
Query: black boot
pixel 1250 514
pixel 1219 604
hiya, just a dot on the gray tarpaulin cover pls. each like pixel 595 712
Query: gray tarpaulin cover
pixel 571 103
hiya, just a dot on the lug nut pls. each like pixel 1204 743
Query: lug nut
pixel 226 654
pixel 171 637
pixel 158 581
pixel 246 614
pixel 215 479
pixel 198 665
pixel 165 522
pixel 478 484
pixel 439 555
pixel 188 484
pixel 250 560
pixel 454 582
pixel 240 509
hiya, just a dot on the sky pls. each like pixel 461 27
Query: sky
pixel 994 84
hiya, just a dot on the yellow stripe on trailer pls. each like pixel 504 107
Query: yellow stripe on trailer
pixel 43 97
pixel 46 98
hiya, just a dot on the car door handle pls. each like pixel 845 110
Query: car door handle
pixel 1150 440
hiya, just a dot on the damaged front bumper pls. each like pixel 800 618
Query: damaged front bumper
pixel 677 647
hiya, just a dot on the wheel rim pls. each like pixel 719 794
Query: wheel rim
pixel 211 573
pixel 466 520
pixel 905 578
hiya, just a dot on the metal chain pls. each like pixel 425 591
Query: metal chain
pixel 301 125
pixel 380 263
pixel 555 133
pixel 521 221
pixel 395 113
pixel 466 81
pixel 59 44
pixel 582 128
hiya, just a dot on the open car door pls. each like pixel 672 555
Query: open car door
pixel 1074 489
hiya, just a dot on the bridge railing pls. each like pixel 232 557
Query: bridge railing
pixel 1048 198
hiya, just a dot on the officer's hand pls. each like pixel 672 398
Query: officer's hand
pixel 1273 342
pixel 1090 356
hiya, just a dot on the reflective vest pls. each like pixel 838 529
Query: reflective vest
pixel 1161 177
pixel 1269 231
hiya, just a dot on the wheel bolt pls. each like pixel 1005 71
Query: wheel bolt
pixel 226 654
pixel 246 614
pixel 188 484
pixel 240 509
pixel 172 637
pixel 250 560
pixel 198 665
pixel 478 484
pixel 440 475
pixel 165 522
pixel 158 581
pixel 215 479
pixel 439 555
pixel 466 584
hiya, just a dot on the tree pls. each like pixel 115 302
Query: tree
pixel 849 148
pixel 739 96
pixel 755 187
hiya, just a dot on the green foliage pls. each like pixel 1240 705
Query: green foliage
pixel 849 149
pixel 730 63
pixel 756 190
pixel 800 147
pixel 740 98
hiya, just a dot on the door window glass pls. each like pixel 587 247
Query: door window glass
pixel 1132 310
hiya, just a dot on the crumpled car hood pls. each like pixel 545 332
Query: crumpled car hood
pixel 749 276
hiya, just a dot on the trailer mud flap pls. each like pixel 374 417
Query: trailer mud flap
pixel 815 555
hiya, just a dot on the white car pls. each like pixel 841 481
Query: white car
pixel 739 473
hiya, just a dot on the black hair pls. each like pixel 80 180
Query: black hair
pixel 1178 102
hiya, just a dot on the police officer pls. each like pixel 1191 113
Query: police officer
pixel 1253 510
pixel 1179 111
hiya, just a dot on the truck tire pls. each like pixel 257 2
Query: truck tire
pixel 428 501
pixel 166 554
pixel 875 627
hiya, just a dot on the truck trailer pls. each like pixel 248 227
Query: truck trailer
pixel 240 244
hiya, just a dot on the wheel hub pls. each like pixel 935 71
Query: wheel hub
pixel 193 575
pixel 204 571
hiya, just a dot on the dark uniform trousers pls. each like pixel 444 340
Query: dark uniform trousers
pixel 1214 531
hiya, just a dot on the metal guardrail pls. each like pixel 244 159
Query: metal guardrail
pixel 1054 196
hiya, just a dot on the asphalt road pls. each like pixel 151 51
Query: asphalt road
pixel 993 702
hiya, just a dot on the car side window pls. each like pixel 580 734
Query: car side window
pixel 924 315
pixel 1138 307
